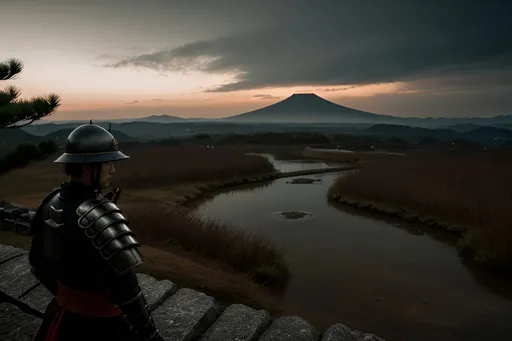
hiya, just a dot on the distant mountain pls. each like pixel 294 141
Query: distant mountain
pixel 461 128
pixel 161 119
pixel 504 126
pixel 10 138
pixel 47 128
pixel 152 119
pixel 297 109
pixel 484 136
pixel 302 108
pixel 311 108
pixel 489 133
pixel 299 112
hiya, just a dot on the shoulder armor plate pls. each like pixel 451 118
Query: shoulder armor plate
pixel 108 230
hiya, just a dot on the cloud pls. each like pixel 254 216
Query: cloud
pixel 157 99
pixel 339 89
pixel 344 43
pixel 265 96
pixel 132 102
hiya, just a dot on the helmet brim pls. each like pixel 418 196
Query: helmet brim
pixel 91 158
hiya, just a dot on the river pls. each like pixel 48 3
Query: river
pixel 399 281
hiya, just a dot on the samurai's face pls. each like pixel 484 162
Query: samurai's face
pixel 106 174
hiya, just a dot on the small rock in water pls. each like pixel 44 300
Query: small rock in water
pixel 294 214
pixel 303 181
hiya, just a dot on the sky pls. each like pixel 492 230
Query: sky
pixel 204 58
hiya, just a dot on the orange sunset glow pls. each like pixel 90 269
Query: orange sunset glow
pixel 92 91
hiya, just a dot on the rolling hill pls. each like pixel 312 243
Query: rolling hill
pixel 160 119
pixel 62 134
pixel 10 138
pixel 389 130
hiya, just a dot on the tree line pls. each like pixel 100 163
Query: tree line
pixel 25 153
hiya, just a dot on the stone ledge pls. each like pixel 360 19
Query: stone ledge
pixel 15 325
pixel 238 323
pixel 180 314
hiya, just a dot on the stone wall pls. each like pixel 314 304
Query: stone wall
pixel 179 313
pixel 15 218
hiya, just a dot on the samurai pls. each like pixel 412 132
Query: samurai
pixel 84 252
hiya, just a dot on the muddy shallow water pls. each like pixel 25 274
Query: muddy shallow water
pixel 399 281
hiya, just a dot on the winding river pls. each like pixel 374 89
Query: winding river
pixel 399 281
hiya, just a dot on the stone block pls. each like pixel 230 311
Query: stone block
pixel 7 252
pixel 290 328
pixel 186 315
pixel 155 291
pixel 15 276
pixel 15 325
pixel 238 323
pixel 38 298
pixel 340 332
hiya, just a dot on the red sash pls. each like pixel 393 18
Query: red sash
pixel 85 303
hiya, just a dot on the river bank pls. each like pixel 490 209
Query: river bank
pixel 401 282
pixel 466 194
pixel 205 189
pixel 399 213
pixel 362 271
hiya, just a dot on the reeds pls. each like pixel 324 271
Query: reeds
pixel 473 189
pixel 241 251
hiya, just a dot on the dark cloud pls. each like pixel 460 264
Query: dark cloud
pixel 265 96
pixel 482 102
pixel 132 102
pixel 339 89
pixel 343 43
pixel 157 99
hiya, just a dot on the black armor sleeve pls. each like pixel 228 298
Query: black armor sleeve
pixel 109 233
pixel 130 299
pixel 38 219
pixel 41 268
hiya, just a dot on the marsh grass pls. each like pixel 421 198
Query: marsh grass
pixel 472 189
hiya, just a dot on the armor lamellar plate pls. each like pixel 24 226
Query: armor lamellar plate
pixel 108 230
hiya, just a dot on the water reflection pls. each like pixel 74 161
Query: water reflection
pixel 414 229
pixel 400 282
pixel 296 165
pixel 495 283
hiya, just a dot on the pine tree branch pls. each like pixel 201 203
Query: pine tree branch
pixel 28 110
pixel 9 94
pixel 15 112
pixel 10 68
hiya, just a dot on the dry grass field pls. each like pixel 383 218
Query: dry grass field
pixel 155 170
pixel 473 189
pixel 151 181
